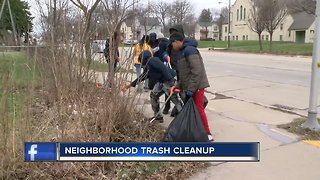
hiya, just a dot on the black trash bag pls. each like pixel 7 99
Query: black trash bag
pixel 185 99
pixel 205 103
pixel 186 126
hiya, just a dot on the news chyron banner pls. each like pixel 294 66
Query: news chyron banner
pixel 244 152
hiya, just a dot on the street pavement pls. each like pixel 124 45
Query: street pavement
pixel 254 84
pixel 247 97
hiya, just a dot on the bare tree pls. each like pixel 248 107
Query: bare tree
pixel 180 9
pixel 222 19
pixel 117 12
pixel 190 24
pixel 146 22
pixel 256 22
pixel 308 6
pixel 161 10
pixel 87 12
pixel 181 12
pixel 274 12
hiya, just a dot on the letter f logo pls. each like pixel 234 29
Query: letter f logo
pixel 33 151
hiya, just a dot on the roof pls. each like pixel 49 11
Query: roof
pixel 301 21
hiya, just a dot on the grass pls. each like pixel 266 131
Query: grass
pixel 279 47
pixel 305 134
pixel 17 74
pixel 21 69
pixel 99 67
pixel 103 67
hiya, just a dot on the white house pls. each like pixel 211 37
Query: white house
pixel 126 31
pixel 205 30
pixel 141 26
pixel 149 25
pixel 295 27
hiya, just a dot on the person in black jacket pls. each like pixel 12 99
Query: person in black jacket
pixel 106 53
pixel 174 56
pixel 155 69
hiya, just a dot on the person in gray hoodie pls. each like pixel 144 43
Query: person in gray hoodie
pixel 192 74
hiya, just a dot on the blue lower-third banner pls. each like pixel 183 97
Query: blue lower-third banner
pixel 249 152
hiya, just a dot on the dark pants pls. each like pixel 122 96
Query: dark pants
pixel 168 104
pixel 158 90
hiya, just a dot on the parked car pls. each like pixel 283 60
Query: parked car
pixel 130 42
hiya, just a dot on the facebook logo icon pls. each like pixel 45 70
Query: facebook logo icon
pixel 40 152
pixel 33 151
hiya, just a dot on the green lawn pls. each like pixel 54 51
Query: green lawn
pixel 17 73
pixel 99 67
pixel 18 68
pixel 287 48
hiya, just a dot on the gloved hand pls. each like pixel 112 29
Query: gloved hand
pixel 189 93
pixel 124 87
pixel 173 89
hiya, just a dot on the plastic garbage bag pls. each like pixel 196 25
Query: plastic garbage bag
pixel 186 126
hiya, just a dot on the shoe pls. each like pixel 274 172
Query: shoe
pixel 159 119
pixel 210 138
pixel 166 111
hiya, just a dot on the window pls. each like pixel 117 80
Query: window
pixel 311 31
pixel 262 37
pixel 267 37
pixel 289 33
pixel 244 13
pixel 247 37
pixel 281 27
pixel 281 38
pixel 215 28
pixel 225 38
pixel 215 35
pixel 237 38
pixel 232 37
pixel 243 37
pixel 225 29
pixel 237 14
pixel 241 12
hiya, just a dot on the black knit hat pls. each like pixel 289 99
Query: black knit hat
pixel 144 39
pixel 176 36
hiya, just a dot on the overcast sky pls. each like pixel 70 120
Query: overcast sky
pixel 202 4
pixel 197 4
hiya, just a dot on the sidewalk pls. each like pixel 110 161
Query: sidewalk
pixel 282 155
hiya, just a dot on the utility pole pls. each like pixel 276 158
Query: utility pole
pixel 2 8
pixel 229 20
pixel 11 19
pixel 12 24
pixel 312 121
pixel 54 21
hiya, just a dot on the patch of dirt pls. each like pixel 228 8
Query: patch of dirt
pixel 305 134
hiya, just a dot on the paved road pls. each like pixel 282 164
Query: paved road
pixel 266 79
pixel 278 69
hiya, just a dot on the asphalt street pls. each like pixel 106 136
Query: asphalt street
pixel 267 79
